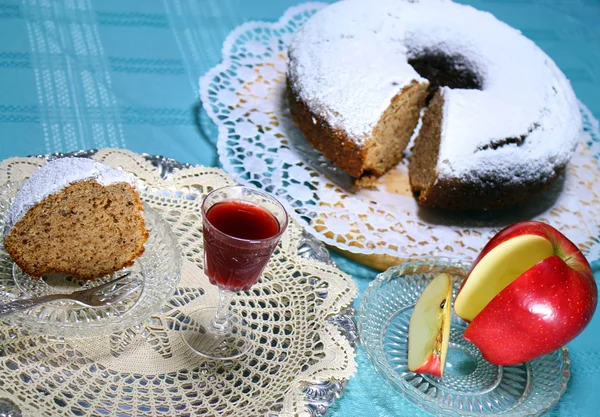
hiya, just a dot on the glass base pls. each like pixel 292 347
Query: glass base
pixel 201 336
pixel 470 383
pixel 9 408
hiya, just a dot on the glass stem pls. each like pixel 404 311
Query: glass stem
pixel 220 322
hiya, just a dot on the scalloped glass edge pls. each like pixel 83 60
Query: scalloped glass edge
pixel 417 397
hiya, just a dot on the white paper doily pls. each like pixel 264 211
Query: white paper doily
pixel 259 144
pixel 148 370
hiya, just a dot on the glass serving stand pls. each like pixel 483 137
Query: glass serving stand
pixel 470 386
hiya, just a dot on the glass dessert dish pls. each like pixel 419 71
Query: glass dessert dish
pixel 470 386
pixel 159 270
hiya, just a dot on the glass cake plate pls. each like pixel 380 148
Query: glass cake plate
pixel 471 386
pixel 159 269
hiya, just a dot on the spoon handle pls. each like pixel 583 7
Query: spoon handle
pixel 24 304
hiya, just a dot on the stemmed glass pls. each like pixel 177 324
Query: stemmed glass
pixel 241 228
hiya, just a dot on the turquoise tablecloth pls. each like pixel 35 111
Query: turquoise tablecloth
pixel 81 74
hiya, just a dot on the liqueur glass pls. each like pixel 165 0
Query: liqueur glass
pixel 241 229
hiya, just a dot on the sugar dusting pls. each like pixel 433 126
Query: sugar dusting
pixel 55 175
pixel 350 59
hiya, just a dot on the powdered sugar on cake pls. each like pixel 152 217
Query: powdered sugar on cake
pixel 349 72
pixel 54 176
pixel 350 60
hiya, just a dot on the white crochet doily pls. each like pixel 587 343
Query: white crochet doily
pixel 259 144
pixel 148 369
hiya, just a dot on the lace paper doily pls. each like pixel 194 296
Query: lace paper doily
pixel 148 369
pixel 260 145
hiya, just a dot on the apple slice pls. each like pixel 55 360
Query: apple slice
pixel 529 292
pixel 505 263
pixel 429 327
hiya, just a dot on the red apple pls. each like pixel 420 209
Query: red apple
pixel 529 292
pixel 429 327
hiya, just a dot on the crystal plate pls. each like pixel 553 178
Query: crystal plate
pixel 159 268
pixel 471 386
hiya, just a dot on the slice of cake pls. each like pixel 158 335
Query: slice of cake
pixel 78 217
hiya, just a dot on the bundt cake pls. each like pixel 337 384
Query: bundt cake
pixel 501 120
pixel 78 217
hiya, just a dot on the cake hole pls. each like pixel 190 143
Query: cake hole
pixel 518 141
pixel 444 70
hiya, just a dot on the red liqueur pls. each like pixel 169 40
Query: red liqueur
pixel 231 261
